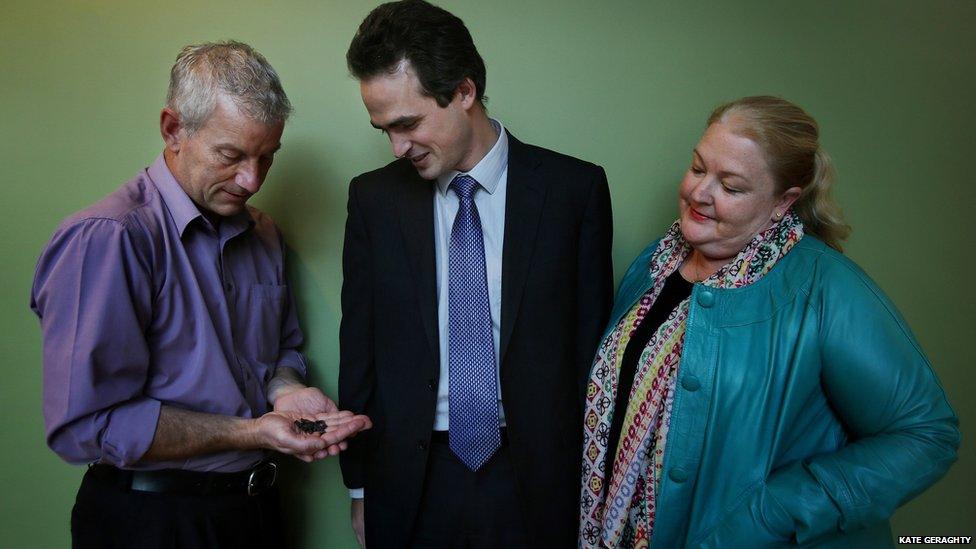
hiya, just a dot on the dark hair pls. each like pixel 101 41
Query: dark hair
pixel 791 140
pixel 435 42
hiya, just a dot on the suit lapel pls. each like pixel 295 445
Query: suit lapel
pixel 416 206
pixel 526 194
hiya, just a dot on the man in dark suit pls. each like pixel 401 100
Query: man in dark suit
pixel 477 281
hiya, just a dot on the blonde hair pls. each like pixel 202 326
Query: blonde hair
pixel 790 138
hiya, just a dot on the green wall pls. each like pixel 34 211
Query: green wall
pixel 626 84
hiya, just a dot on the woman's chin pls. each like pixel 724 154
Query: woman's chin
pixel 694 233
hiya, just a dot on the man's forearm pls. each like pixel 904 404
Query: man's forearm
pixel 181 434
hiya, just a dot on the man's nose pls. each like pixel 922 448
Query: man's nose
pixel 249 177
pixel 401 146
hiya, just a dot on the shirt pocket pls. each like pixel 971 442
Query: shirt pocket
pixel 259 320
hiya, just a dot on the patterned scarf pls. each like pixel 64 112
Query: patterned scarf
pixel 621 513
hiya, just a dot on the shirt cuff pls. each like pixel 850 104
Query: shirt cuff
pixel 130 430
pixel 292 359
pixel 357 493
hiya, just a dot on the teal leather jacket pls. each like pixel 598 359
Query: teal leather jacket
pixel 804 413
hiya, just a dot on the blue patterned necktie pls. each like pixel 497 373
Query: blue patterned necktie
pixel 473 387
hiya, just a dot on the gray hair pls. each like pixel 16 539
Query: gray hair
pixel 203 72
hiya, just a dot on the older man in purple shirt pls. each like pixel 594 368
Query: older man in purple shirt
pixel 169 329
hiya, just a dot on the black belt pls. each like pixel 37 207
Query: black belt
pixel 444 437
pixel 251 482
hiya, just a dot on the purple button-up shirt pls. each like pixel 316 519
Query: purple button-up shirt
pixel 142 303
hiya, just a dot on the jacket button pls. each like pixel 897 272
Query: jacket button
pixel 422 445
pixel 678 474
pixel 690 383
pixel 706 299
pixel 430 384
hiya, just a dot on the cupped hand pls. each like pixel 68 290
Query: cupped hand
pixel 310 403
pixel 304 400
pixel 276 431
pixel 340 426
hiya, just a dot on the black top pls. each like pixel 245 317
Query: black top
pixel 675 290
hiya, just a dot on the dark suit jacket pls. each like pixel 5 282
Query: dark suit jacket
pixel 556 295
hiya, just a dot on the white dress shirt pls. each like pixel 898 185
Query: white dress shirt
pixel 492 173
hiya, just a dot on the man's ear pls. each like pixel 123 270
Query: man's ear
pixel 171 128
pixel 467 93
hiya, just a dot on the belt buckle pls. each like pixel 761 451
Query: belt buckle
pixel 260 471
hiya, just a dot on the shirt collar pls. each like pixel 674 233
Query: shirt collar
pixel 183 210
pixel 489 170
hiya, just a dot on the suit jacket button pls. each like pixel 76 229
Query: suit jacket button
pixel 430 384
pixel 422 445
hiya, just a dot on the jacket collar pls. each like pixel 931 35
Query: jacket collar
pixel 525 199
pixel 734 306
pixel 489 170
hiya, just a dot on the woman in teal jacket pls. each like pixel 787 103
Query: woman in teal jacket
pixel 755 388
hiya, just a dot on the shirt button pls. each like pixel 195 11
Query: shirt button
pixel 706 299
pixel 228 286
pixel 690 383
pixel 422 445
pixel 678 474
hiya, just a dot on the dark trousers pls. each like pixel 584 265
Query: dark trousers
pixel 112 516
pixel 465 509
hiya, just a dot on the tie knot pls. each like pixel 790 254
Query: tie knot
pixel 465 186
